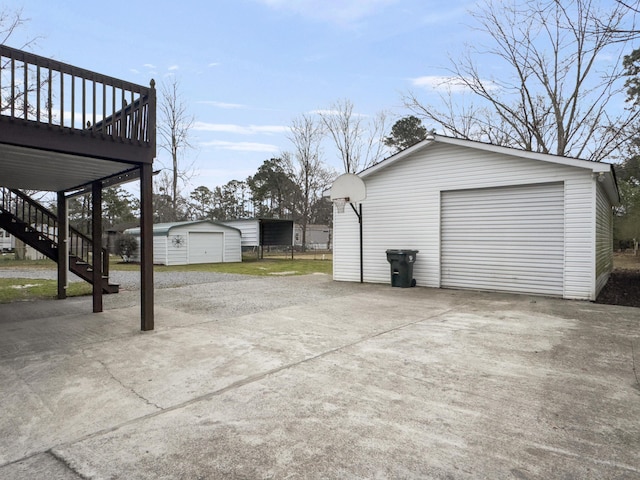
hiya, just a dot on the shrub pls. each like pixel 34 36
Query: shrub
pixel 126 246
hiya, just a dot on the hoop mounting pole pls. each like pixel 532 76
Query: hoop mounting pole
pixel 358 213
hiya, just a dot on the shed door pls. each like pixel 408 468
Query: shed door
pixel 505 239
pixel 205 247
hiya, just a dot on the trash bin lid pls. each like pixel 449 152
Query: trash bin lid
pixel 402 252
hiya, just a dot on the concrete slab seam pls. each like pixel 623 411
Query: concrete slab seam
pixel 58 458
pixel 119 382
pixel 66 464
pixel 243 382
pixel 633 364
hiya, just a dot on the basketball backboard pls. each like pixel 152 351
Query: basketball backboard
pixel 349 187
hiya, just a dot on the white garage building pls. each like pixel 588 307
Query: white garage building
pixel 183 243
pixel 484 217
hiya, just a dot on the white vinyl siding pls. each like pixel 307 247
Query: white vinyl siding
pixel 6 241
pixel 402 211
pixel 604 239
pixel 177 241
pixel 159 250
pixel 250 231
pixel 232 247
pixel 507 239
pixel 346 258
pixel 206 247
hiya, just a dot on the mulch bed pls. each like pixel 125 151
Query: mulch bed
pixel 623 288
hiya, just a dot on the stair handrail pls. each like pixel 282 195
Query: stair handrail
pixel 45 222
pixel 30 212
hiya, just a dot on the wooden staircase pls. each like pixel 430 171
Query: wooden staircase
pixel 27 220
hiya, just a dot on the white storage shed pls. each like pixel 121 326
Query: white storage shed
pixel 484 217
pixel 184 243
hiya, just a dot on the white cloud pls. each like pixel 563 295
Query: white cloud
pixel 225 105
pixel 134 71
pixel 213 64
pixel 336 11
pixel 240 129
pixel 173 67
pixel 449 84
pixel 149 65
pixel 241 146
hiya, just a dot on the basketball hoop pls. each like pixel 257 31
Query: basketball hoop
pixel 350 188
pixel 340 203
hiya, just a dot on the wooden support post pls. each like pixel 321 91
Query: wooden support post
pixel 146 247
pixel 63 246
pixel 96 239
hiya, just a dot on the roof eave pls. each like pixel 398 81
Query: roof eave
pixel 596 167
pixel 395 158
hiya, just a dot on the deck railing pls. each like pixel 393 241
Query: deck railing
pixel 45 91
pixel 45 222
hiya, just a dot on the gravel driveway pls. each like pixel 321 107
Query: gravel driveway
pixel 131 280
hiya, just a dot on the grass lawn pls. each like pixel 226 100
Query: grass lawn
pixel 8 260
pixel 19 289
pixel 246 267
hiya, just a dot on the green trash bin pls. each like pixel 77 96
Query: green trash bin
pixel 401 262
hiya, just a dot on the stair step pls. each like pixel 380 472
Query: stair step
pixel 41 241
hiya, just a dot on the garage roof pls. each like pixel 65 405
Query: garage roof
pixel 600 168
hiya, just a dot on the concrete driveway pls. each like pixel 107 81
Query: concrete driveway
pixel 303 377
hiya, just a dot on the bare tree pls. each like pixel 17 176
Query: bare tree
pixel 166 207
pixel 624 33
pixel 174 126
pixel 359 139
pixel 306 166
pixel 16 93
pixel 10 22
pixel 552 98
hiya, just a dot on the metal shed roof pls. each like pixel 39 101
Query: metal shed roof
pixel 160 229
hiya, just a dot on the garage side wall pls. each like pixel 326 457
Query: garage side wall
pixel 250 231
pixel 346 245
pixel 232 248
pixel 402 211
pixel 159 250
pixel 177 244
pixel 604 239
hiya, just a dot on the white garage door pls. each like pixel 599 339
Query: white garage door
pixel 505 239
pixel 205 247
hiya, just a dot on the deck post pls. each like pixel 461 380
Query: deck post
pixel 96 239
pixel 63 246
pixel 146 247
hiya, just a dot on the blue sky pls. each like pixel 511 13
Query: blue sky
pixel 248 67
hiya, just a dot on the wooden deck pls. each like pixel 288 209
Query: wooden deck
pixel 69 130
pixel 69 112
